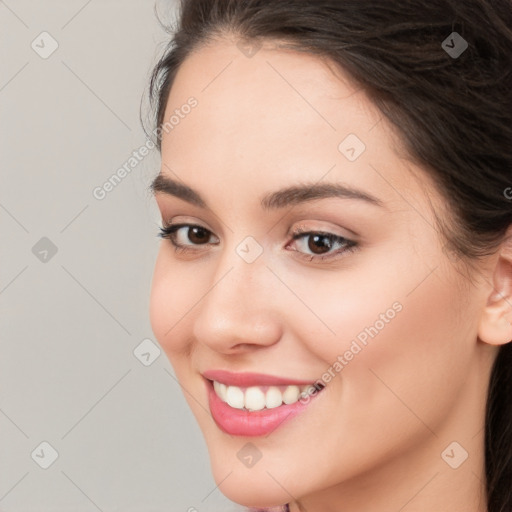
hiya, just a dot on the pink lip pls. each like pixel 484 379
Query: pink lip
pixel 239 422
pixel 248 379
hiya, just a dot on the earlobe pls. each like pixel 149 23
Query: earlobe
pixel 495 327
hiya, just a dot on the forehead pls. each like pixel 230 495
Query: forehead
pixel 272 88
pixel 276 117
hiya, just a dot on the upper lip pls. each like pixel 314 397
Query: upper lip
pixel 246 379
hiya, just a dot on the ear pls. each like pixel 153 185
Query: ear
pixel 495 327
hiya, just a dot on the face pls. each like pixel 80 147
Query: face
pixel 274 290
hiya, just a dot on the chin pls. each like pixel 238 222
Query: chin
pixel 253 493
pixel 251 487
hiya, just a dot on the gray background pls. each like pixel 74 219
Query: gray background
pixel 70 321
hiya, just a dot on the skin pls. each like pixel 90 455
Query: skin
pixel 372 439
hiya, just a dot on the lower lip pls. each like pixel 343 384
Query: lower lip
pixel 239 422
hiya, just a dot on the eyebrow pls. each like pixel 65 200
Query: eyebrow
pixel 282 198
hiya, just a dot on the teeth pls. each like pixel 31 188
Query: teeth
pixel 220 389
pixel 291 394
pixel 235 397
pixel 255 398
pixel 273 397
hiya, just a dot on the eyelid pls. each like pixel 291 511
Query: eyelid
pixel 169 229
pixel 301 228
pixel 184 219
pixel 349 245
pixel 294 233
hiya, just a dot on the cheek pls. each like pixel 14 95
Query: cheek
pixel 357 301
pixel 389 302
pixel 401 336
pixel 407 372
pixel 170 303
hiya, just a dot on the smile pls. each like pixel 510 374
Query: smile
pixel 257 398
pixel 256 405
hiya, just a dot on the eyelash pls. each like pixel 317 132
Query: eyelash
pixel 169 232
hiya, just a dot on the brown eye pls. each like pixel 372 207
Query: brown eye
pixel 185 235
pixel 319 244
pixel 198 235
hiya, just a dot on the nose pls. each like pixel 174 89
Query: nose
pixel 239 311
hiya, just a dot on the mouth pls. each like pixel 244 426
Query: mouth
pixel 257 404
pixel 257 398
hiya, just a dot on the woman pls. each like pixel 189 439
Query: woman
pixel 334 290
